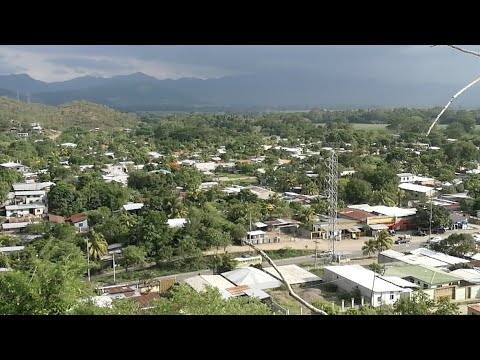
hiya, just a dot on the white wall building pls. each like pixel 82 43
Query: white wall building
pixel 350 277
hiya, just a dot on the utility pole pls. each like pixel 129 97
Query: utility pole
pixel 18 96
pixel 431 214
pixel 113 258
pixel 332 194
pixel 88 262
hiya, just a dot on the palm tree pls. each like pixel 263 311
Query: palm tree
pixel 384 241
pixel 370 247
pixel 97 247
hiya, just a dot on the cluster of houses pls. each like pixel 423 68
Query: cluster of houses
pixel 405 273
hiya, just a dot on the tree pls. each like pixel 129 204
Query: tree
pixel 154 234
pixel 97 246
pixel 183 300
pixel 64 200
pixel 132 255
pixel 440 217
pixel 370 247
pixel 421 304
pixel 379 269
pixel 358 191
pixel 384 241
pixel 458 245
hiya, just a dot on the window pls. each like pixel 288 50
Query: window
pixel 379 299
pixel 391 296
pixel 425 286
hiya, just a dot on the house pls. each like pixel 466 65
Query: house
pixel 406 177
pixel 262 193
pixel 11 249
pixel 14 228
pixel 80 221
pixel 33 186
pixel 395 218
pixel 25 210
pixel 15 166
pixel 68 145
pixel 294 274
pixel 133 208
pixel 29 197
pixel 346 228
pixel 420 256
pixel 256 236
pixel 177 223
pixel 227 289
pixel 425 277
pixel 376 289
pixel 154 155
pixel 473 309
pixel 205 166
pixel 416 191
pixel 468 276
pixel 460 221
pixel 56 219
pixel 208 185
pixel 252 277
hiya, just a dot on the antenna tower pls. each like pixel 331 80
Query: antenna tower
pixel 332 193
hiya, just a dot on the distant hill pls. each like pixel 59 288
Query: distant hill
pixel 82 114
pixel 288 89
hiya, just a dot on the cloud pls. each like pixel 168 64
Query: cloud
pixel 403 64
pixel 59 66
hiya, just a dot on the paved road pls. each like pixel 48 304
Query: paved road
pixel 350 248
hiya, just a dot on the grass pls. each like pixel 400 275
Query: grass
pixel 287 253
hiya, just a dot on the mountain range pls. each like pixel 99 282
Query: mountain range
pixel 292 89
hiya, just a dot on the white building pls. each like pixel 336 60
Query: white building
pixel 418 189
pixel 406 177
pixel 15 166
pixel 206 166
pixel 376 289
pixel 24 210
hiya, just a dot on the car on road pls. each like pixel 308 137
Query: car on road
pixel 402 241
pixel 420 233
pixel 436 239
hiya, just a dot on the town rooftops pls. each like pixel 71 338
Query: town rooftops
pixel 416 188
pixel 30 193
pixel 133 206
pixel 385 210
pixel 32 186
pixel 355 214
pixel 405 175
pixel 253 277
pixel 293 274
pixel 176 223
pixel 364 277
pixel 10 249
pixel 76 218
pixel 451 260
pixel 24 207
pixel 422 273
pixel 11 165
pixel 12 226
pixel 255 233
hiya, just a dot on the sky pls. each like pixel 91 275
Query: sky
pixel 401 64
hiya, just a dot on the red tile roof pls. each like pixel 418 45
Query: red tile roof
pixel 146 300
pixel 78 218
pixel 355 214
pixel 57 219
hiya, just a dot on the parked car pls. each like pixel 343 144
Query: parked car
pixel 436 239
pixel 420 233
pixel 403 237
pixel 402 241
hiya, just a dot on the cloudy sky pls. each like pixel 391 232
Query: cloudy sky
pixel 390 63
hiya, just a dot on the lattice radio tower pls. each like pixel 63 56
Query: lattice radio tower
pixel 332 194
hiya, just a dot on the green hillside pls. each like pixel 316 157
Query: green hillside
pixel 82 114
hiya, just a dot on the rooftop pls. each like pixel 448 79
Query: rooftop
pixel 451 260
pixel 416 188
pixel 133 206
pixel 364 277
pixel 475 307
pixel 422 273
pixel 355 214
pixel 293 274
pixel 253 277
pixel 175 223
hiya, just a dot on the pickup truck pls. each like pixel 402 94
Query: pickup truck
pixel 404 237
